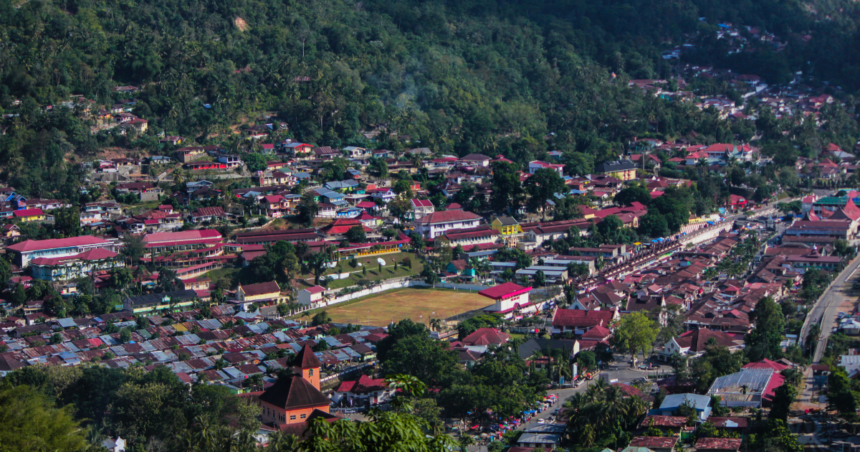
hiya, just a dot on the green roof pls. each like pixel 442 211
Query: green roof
pixel 832 201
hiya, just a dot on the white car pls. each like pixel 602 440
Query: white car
pixel 541 421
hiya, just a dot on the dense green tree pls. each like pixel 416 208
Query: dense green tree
pixel 764 340
pixel 31 423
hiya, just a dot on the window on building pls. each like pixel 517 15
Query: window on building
pixel 310 372
pixel 304 416
pixel 293 418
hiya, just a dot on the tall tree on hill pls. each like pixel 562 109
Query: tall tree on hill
pixel 764 340
pixel 307 209
pixel 133 248
pixel 508 194
pixel 541 187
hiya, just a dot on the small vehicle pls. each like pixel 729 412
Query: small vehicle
pixel 541 421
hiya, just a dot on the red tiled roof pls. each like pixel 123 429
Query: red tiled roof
pixel 448 216
pixel 27 213
pixel 38 245
pixel 89 255
pixel 422 203
pixel 581 318
pixel 766 364
pixel 306 359
pixel 505 290
pixel 363 385
pixel 654 442
pixel 315 289
pixel 718 444
pixel 161 237
pixel 696 340
pixel 486 336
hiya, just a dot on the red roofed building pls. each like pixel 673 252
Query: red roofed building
pixel 162 242
pixel 437 223
pixel 486 336
pixel 508 297
pixel 25 215
pixel 694 342
pixel 341 226
pixel 312 296
pixel 365 391
pixel 579 322
pixel 422 207
pixel 719 444
pixel 291 400
pixel 28 250
pixel 655 443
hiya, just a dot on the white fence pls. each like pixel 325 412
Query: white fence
pixel 401 285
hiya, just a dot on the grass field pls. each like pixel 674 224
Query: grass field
pixel 372 270
pixel 420 305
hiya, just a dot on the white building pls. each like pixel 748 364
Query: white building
pixel 437 223
pixel 312 296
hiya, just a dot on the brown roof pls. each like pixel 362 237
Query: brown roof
pixel 721 421
pixel 294 393
pixel 306 359
pixel 718 444
pixel 697 339
pixel 654 442
pixel 261 288
pixel 486 336
pixel 664 421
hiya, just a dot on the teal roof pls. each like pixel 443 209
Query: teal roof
pixel 833 201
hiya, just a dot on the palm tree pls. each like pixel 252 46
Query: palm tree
pixel 436 324
pixel 282 442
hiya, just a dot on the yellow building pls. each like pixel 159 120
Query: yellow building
pixel 507 226
pixel 28 215
pixel 620 169
pixel 263 292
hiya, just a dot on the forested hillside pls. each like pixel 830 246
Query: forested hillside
pixel 456 76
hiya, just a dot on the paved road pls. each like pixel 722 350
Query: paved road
pixel 826 308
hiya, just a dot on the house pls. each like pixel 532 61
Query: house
pixel 267 292
pixel 208 214
pixel 670 405
pixel 437 223
pixel 460 267
pixel 486 336
pixel 579 322
pixel 421 207
pixel 364 392
pixel 507 299
pixel 507 226
pixel 655 443
pixel 620 169
pixel 28 250
pixel 232 161
pixel 28 215
pixel 479 160
pixel 719 444
pixel 292 399
pixel 312 296
pixel 537 164
pixel 146 191
pixel 694 343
